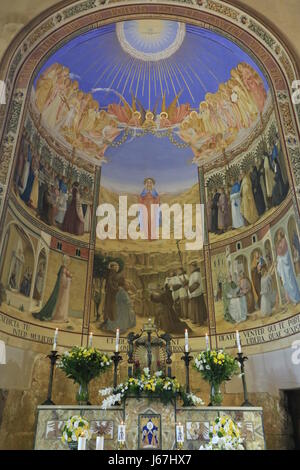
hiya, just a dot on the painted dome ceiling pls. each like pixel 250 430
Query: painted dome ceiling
pixel 114 83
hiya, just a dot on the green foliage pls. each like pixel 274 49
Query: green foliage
pixel 84 364
pixel 101 263
pixel 216 366
pixel 158 386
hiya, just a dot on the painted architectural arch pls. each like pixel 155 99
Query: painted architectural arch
pixel 202 93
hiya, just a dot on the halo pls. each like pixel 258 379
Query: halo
pixel 151 179
pixel 151 39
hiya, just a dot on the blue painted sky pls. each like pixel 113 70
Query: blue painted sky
pixel 149 156
pixel 96 59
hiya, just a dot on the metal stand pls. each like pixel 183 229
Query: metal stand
pixel 116 358
pixel 241 359
pixel 53 356
pixel 167 338
pixel 187 359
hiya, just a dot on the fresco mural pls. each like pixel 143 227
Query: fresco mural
pixel 161 112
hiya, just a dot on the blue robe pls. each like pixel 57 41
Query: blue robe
pixel 28 188
pixel 237 218
pixel 286 273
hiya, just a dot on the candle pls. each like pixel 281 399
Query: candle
pixel 55 339
pixel 90 340
pixel 100 443
pixel 207 342
pixel 186 340
pixel 121 432
pixel 81 443
pixel 179 433
pixel 238 341
pixel 117 339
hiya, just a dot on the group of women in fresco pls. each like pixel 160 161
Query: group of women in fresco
pixel 244 296
pixel 49 193
pixel 251 195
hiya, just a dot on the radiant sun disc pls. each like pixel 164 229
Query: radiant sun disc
pixel 150 40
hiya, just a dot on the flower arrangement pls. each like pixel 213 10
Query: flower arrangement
pixel 157 385
pixel 224 435
pixel 82 365
pixel 75 427
pixel 216 366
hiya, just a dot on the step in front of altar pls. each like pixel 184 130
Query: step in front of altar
pixel 137 413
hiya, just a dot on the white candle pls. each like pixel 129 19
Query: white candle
pixel 238 341
pixel 100 443
pixel 186 340
pixel 117 339
pixel 55 339
pixel 121 432
pixel 90 340
pixel 81 443
pixel 179 433
pixel 207 342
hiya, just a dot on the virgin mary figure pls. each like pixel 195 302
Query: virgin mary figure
pixel 149 218
pixel 57 307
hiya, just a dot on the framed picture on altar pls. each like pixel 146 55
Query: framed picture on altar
pixel 197 430
pixel 149 431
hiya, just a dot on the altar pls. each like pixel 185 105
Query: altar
pixel 136 413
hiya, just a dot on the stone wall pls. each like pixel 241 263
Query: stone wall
pixel 18 406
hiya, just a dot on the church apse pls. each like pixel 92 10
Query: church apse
pixel 175 115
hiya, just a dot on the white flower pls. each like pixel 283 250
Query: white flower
pixel 146 371
pixel 158 373
pixel 105 391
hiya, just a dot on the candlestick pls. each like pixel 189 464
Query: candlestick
pixel 186 340
pixel 100 443
pixel 81 443
pixel 55 339
pixel 90 340
pixel 117 339
pixel 238 341
pixel 187 359
pixel 207 342
pixel 53 356
pixel 241 359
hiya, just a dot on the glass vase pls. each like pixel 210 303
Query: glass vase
pixel 82 396
pixel 216 396
pixel 73 445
